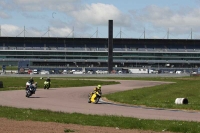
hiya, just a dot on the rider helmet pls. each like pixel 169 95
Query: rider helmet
pixel 99 87
pixel 31 80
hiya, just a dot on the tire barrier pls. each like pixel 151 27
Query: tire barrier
pixel 181 101
pixel 1 84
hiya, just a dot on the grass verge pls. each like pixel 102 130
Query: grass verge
pixel 96 120
pixel 163 96
pixel 18 83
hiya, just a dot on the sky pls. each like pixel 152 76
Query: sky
pixel 159 19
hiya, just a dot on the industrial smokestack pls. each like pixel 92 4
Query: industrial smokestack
pixel 110 46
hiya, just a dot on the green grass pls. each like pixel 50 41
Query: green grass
pixel 96 120
pixel 163 96
pixel 18 83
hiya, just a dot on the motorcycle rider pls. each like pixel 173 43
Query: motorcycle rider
pixel 96 89
pixel 31 81
pixel 49 81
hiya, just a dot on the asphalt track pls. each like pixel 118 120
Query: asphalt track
pixel 74 99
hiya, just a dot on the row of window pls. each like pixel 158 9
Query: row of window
pixel 98 58
pixel 103 45
pixel 80 54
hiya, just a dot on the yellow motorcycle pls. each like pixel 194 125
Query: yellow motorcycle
pixel 94 98
pixel 47 84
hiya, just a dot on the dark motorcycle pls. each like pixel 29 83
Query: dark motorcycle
pixel 94 98
pixel 30 89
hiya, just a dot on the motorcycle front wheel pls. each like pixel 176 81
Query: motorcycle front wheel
pixel 89 98
pixel 46 86
pixel 28 94
pixel 89 101
pixel 97 100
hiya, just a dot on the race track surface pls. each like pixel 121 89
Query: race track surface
pixel 74 99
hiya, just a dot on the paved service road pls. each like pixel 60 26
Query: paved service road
pixel 74 99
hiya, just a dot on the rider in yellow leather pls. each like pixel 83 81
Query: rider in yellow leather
pixel 97 88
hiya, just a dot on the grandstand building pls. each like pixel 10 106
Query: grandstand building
pixel 91 53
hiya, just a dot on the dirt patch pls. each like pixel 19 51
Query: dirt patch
pixel 13 126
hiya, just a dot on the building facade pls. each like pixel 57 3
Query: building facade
pixel 91 53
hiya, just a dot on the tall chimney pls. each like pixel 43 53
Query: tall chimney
pixel 110 46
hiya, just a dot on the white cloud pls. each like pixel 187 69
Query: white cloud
pixel 72 12
pixel 9 30
pixel 61 32
pixel 41 5
pixel 86 18
pixel 163 17
pixel 12 30
pixel 95 14
pixel 4 15
pixel 99 14
pixel 34 16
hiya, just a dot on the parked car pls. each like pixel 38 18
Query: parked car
pixel 178 72
pixel 35 71
pixel 44 72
